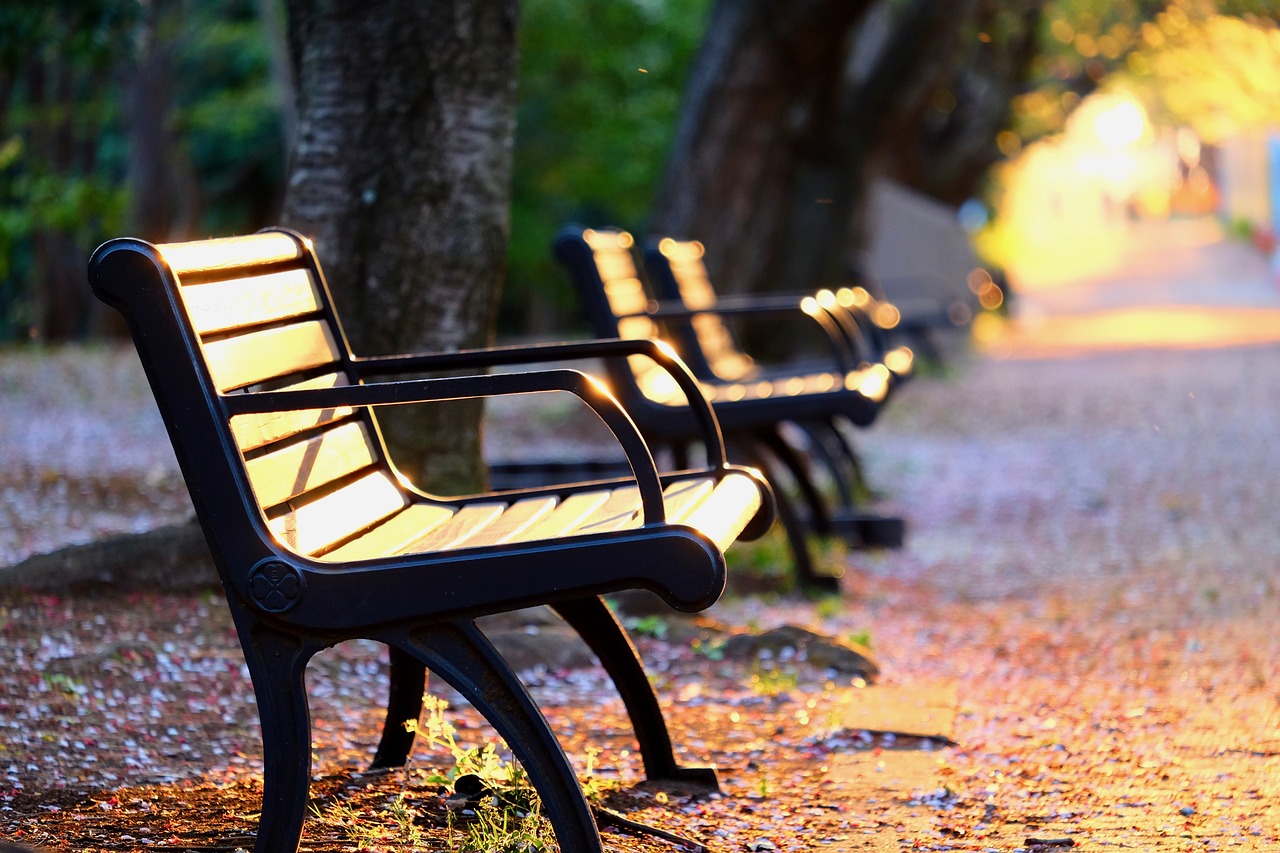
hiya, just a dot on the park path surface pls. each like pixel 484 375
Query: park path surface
pixel 1076 646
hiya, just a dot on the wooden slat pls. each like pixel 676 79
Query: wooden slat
pixel 294 470
pixel 516 518
pixel 230 252
pixel 723 514
pixel 253 431
pixel 615 263
pixel 620 510
pixel 315 525
pixel 250 301
pixel 682 498
pixel 466 522
pixel 247 359
pixel 569 514
pixel 393 536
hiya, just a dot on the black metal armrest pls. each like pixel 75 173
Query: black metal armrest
pixel 658 351
pixel 841 352
pixel 409 391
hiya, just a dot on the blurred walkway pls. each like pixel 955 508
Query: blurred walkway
pixel 1182 283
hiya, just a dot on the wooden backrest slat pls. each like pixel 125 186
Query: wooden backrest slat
pixel 684 258
pixel 251 301
pixel 314 525
pixel 230 253
pixel 255 357
pixel 295 469
pixel 257 430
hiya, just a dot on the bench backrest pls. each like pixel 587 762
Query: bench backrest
pixel 253 313
pixel 603 267
pixel 678 273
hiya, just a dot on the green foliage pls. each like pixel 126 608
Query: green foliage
pixel 860 638
pixel 1187 55
pixel 436 731
pixel 67 72
pixel 599 96
pixel 647 626
pixel 1217 74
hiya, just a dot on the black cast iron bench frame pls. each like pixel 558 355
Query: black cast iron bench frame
pixel 256 382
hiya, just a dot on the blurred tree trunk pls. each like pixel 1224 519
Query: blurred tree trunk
pixel 758 119
pixel 401 173
pixel 946 144
pixel 788 108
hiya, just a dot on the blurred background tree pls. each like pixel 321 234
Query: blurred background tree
pixel 598 95
pixel 170 119
pixel 160 119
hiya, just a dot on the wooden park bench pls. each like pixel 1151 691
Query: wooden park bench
pixel 318 539
pixel 752 406
pixel 870 327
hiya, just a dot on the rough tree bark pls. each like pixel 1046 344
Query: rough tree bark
pixel 762 100
pixel 401 174
pixel 788 104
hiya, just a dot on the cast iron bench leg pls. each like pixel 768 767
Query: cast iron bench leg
pixel 819 516
pixel 277 664
pixel 597 625
pixel 460 654
pixel 408 680
pixel 793 526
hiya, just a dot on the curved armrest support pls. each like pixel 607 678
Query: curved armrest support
pixel 408 391
pixel 660 353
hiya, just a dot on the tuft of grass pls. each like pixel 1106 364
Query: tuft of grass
pixel 647 626
pixel 773 681
pixel 860 638
pixel 509 821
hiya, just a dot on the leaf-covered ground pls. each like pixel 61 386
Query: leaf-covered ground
pixel 1084 611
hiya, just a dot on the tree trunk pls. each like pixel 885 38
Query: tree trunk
pixel 787 106
pixel 401 173
pixel 761 106
pixel 948 143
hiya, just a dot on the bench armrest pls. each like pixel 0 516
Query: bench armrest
pixel 409 391
pixel 660 353
pixel 841 353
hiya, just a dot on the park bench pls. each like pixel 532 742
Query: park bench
pixel 318 539
pixel 753 409
pixel 869 327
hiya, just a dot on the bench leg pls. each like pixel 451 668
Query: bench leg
pixel 461 655
pixel 807 577
pixel 820 518
pixel 277 664
pixel 408 677
pixel 600 629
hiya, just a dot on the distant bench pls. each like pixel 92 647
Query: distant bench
pixel 755 404
pixel 318 540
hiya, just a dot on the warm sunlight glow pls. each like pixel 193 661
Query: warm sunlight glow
pixel 1120 124
pixel 271 247
pixel 886 316
pixel 900 360
pixel 681 250
pixel 872 383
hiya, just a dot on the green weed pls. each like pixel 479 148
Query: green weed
pixel 772 681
